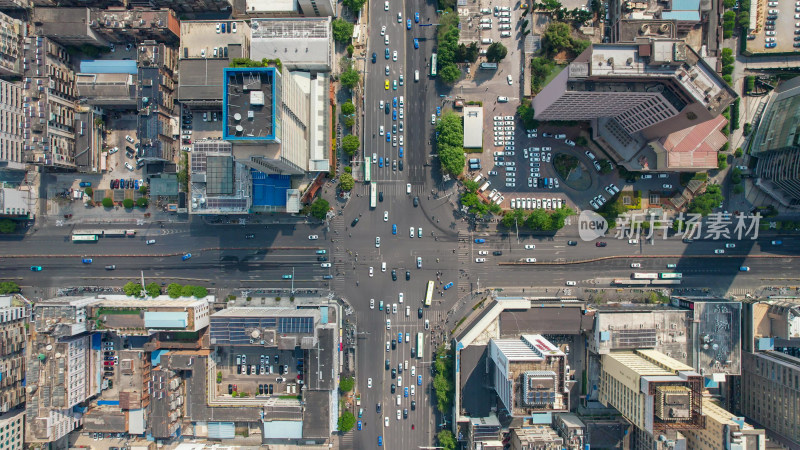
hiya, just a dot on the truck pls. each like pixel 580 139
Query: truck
pixel 484 186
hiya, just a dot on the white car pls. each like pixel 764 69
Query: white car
pixel 383 30
pixel 313 237
pixel 411 232
pixel 480 260
pixel 380 130
pixel 386 216
pixel 129 139
pixel 386 419
pixel 510 79
pixel 530 246
pixel 377 241
pixel 719 251
pixel 369 383
pixel 571 283
pixel 371 272
pixel 530 260
pixel 400 297
pixel 383 266
pixel 636 265
pixel 399 414
pixel 372 303
pixel 394 55
pixel 150 242
pixel 129 166
pixel 419 262
pixel 486 252
pixel 399 17
pixel 633 241
pixel 386 8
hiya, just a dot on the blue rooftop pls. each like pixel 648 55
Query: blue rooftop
pixel 683 16
pixel 685 5
pixel 269 190
pixel 108 66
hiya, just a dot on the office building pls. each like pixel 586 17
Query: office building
pixel 724 430
pixel 572 430
pixel 635 93
pixel 11 127
pixel 13 319
pixel 530 375
pixel 300 43
pixel 289 8
pixel 535 438
pixel 122 26
pixel 775 146
pixel 653 391
pixel 770 394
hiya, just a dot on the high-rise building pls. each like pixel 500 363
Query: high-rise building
pixel 530 375
pixel 13 319
pixel 11 126
pixel 636 93
pixel 770 394
pixel 12 32
pixel 653 391
pixel 724 430
pixel 775 146
pixel 12 426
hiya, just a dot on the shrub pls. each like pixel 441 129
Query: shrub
pixel 141 202
pixel 7 226
pixel 738 153
pixel 107 202
pixel 127 203
pixel 88 191
pixel 346 182
pixel 722 162
pixel 342 31
pixel 350 144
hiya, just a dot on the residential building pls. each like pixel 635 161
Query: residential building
pixel 778 167
pixel 653 391
pixel 766 322
pixel 484 433
pixel 530 375
pixel 12 33
pixel 271 8
pixel 11 127
pixel 770 393
pixel 300 43
pixel 14 4
pixel 122 26
pixel 108 90
pixel 724 430
pixel 635 93
pixel 13 319
pixel 157 121
pixel 535 438
pixel 67 26
pixel 318 8
pixel 572 430
pixel 184 6
pixel 49 82
pixel 12 427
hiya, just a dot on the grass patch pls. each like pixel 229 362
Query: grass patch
pixel 554 73
pixel 289 397
pixel 473 150
pixel 478 305
pixel 458 324
pixel 635 200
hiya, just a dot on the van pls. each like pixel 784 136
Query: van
pixel 405 365
pixel 486 26
pixel 398 399
pixel 474 160
pixel 486 41
pixel 408 311
pixel 416 75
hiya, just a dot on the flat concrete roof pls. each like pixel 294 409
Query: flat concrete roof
pixel 473 126
pixel 297 42
pixel 198 35
pixel 201 79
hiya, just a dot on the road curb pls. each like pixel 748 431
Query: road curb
pixel 608 258
pixel 163 255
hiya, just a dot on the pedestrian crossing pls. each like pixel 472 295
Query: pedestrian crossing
pixel 464 252
pixel 390 187
pixel 338 253
pixel 740 291
pixel 346 440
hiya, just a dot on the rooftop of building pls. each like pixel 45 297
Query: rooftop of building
pixel 527 348
pixel 272 6
pixel 636 65
pixel 264 311
pixel 201 35
pixel 695 147
pixel 249 104
pixel 135 18
pixel 201 78
pixel 780 120
pixel 218 183
pixel 61 21
pixel 648 362
pixel 473 126
pixel 295 41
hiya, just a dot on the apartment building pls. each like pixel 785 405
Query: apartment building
pixel 770 394
pixel 156 94
pixel 49 83
pixel 12 33
pixel 653 391
pixel 121 25
pixel 12 430
pixel 12 122
pixel 13 319
pixel 724 430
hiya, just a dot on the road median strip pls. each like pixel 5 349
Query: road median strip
pixel 607 258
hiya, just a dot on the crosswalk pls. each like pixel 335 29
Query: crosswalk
pixel 464 252
pixel 346 440
pixel 390 187
pixel 740 291
pixel 338 254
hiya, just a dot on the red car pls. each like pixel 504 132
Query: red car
pixel 600 244
pixel 300 376
pixel 108 363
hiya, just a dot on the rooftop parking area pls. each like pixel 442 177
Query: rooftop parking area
pixel 776 29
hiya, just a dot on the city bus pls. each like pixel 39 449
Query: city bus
pixel 84 238
pixel 419 346
pixel 671 275
pixel 429 294
pixel 664 282
pixel 367 169
pixel 373 195
pixel 644 276
pixel 433 64
pixel 626 282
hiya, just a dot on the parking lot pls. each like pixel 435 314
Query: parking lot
pixel 777 29
pixel 281 369
pixel 199 124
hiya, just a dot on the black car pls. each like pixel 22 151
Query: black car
pixel 387 364
pixel 249 236
pixel 772 17
pixel 354 222
pixel 413 405
pixel 322 258
pixel 394 373
pixel 394 344
pixel 416 201
pixel 413 352
pixel 380 196
pixel 497 253
pixel 400 165
pixel 399 368
pixel 572 243
pixel 394 275
pixel 378 408
pixel 270 389
pixel 405 413
pixel 230 389
pixel 408 275
pixel 260 388
pixel 419 313
pixel 394 388
pixel 386 108
pixel 374 57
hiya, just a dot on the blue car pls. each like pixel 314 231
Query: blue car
pixel 374 57
pixel 399 338
pixel 770 45
pixel 386 54
pixel 405 391
pixel 394 102
pixel 394 114
pixel 359 425
pixel 448 285
pixel 380 441
pixel 408 24
pixel 419 380
pixel 86 184
pixel 86 260
pixel 416 43
pixel 744 269
pixel 777 242
pixel 480 241
pixel 416 17
pixel 36 268
pixel 388 137
pixel 394 228
pixel 400 153
pixel 186 256
pixel 380 161
pixel 438 110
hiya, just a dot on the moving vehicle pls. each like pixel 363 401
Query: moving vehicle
pixel 186 256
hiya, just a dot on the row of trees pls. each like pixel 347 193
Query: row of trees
pixel 450 143
pixel 448 49
pixel 127 203
pixel 174 290
pixel 537 219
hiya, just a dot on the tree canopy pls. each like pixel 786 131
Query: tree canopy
pixel 319 209
pixel 346 421
pixel 132 289
pixel 496 52
pixel 342 31
pixel 558 38
pixel 446 440
pixel 704 203
pixel 346 182
pixel 450 144
pixel 349 78
pixel 7 226
pixel 348 108
pixel 350 144
pixel 107 202
pixel 346 384
pixel 354 5
pixel 9 287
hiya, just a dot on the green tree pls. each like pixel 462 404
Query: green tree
pixel 9 287
pixel 350 78
pixel 738 153
pixel 107 202
pixel 496 52
pixel 446 440
pixel 132 289
pixel 736 175
pixel 174 290
pixel 88 191
pixel 450 73
pixel 349 122
pixel 199 291
pixel 704 203
pixel 722 161
pixel 611 210
pixel 557 38
pixel 450 143
pixel 350 50
pixel 350 144
pixel 153 289
pixel 342 31
pixel 605 166
pixel 354 5
pixel 515 217
pixel 728 3
pixel 143 189
pixel 540 70
pixel 7 226
pixel 346 421
pixel 582 141
pixel 538 220
pixel 348 108
pixel 346 182
pixel 525 113
pixel 319 209
pixel 471 186
pixel 346 384
pixel 141 202
pixel 187 290
pixel 127 203
pixel 474 203
pixel 738 189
